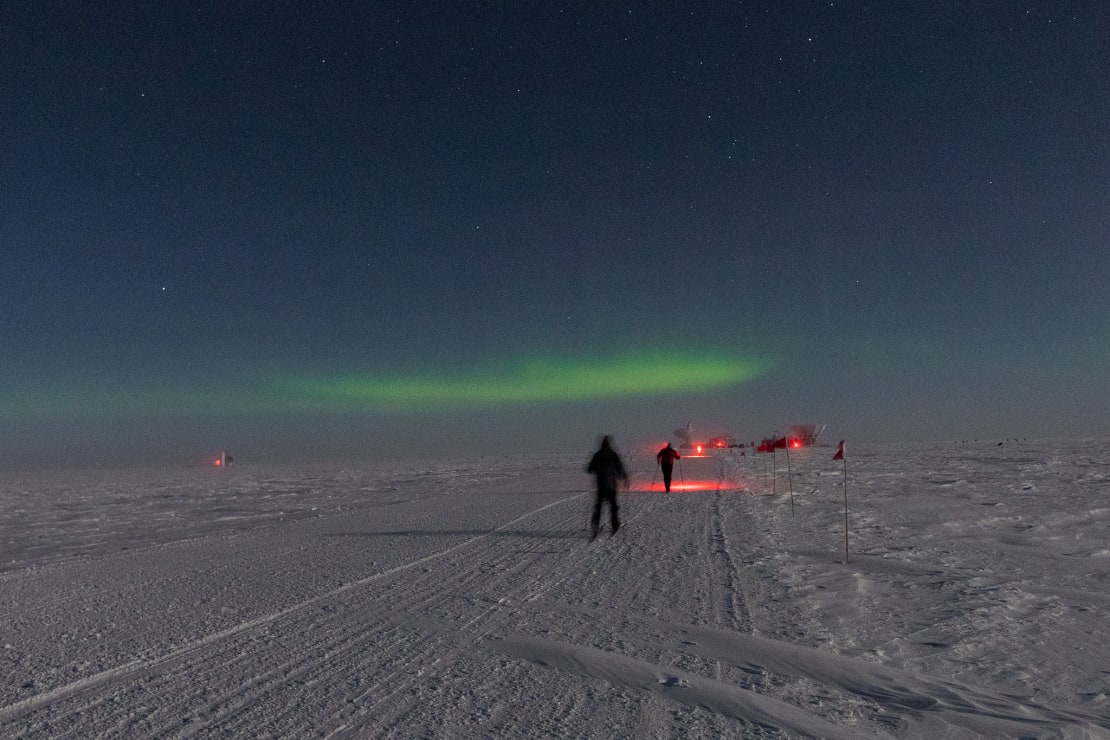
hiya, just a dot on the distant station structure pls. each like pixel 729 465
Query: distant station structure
pixel 223 459
pixel 801 435
pixel 691 445
pixel 805 435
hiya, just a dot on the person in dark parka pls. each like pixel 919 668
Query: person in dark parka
pixel 608 468
pixel 666 458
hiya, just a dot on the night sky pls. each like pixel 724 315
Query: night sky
pixel 305 231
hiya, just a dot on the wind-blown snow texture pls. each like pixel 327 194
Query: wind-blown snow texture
pixel 464 600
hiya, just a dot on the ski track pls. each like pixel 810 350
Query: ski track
pixel 501 631
pixel 319 621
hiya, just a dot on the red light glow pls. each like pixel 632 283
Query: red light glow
pixel 219 462
pixel 683 486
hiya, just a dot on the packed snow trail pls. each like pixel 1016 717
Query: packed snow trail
pixel 468 603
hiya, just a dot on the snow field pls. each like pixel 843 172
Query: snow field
pixel 464 600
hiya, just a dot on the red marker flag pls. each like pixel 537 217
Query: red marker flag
pixel 839 451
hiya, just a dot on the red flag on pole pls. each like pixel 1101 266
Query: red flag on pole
pixel 780 443
pixel 840 456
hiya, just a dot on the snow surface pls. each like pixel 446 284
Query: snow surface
pixel 465 600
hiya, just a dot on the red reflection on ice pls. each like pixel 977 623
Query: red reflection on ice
pixel 683 486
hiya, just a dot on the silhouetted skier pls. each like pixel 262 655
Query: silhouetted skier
pixel 666 457
pixel 608 469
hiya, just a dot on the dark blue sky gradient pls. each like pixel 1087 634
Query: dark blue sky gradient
pixel 906 205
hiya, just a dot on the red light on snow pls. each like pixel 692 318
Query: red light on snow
pixel 689 485
pixel 699 449
pixel 694 485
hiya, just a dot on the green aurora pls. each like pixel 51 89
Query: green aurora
pixel 537 381
pixel 534 381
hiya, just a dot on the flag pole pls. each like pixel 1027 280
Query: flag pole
pixel 790 478
pixel 774 471
pixel 840 456
pixel 845 509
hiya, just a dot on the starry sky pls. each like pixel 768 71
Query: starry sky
pixel 374 230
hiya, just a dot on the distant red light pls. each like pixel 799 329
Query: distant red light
pixel 219 462
pixel 699 449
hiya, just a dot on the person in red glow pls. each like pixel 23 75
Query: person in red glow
pixel 608 468
pixel 665 458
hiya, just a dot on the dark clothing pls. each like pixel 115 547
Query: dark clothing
pixel 666 457
pixel 606 465
pixel 609 497
pixel 608 469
